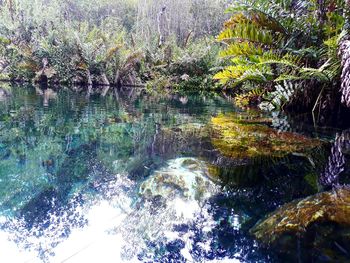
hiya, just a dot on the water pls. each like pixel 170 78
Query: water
pixel 137 177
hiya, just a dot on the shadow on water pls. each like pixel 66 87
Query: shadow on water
pixel 151 172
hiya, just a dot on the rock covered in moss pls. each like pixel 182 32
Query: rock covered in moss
pixel 297 216
pixel 239 136
pixel 185 177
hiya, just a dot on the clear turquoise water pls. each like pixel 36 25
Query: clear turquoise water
pixel 124 178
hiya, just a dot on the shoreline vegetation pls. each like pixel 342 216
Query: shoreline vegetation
pixel 289 56
pixel 110 43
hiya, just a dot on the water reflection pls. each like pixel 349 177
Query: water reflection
pixel 5 93
pixel 47 94
pixel 135 177
pixel 336 161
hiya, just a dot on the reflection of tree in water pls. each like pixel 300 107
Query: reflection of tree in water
pixel 336 161
pixel 5 93
pixel 47 94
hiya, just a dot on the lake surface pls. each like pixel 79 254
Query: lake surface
pixel 144 177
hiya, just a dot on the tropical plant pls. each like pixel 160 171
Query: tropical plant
pixel 109 42
pixel 264 46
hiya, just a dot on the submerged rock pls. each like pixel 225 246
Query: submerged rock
pixel 172 141
pixel 244 137
pixel 172 198
pixel 185 177
pixel 297 216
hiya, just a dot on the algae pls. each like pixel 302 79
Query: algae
pixel 295 217
pixel 239 136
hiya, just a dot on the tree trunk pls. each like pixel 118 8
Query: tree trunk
pixel 105 81
pixel 345 76
pixel 89 79
pixel 344 52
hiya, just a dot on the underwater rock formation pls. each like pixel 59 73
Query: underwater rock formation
pixel 189 137
pixel 172 197
pixel 297 216
pixel 241 137
pixel 185 177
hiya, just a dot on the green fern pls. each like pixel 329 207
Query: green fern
pixel 253 76
pixel 283 93
pixel 250 36
pixel 241 49
pixel 249 98
pixel 263 47
pixel 240 73
pixel 273 58
pixel 258 16
pixel 246 32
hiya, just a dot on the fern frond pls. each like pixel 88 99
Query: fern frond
pixel 253 75
pixel 242 100
pixel 112 51
pixel 273 58
pixel 245 99
pixel 237 74
pixel 246 32
pixel 287 77
pixel 231 73
pixel 241 49
pixel 258 16
pixel 315 73
pixel 283 93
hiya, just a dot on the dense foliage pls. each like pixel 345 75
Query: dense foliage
pixel 275 54
pixel 106 42
pixel 280 53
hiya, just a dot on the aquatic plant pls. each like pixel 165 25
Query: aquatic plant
pixel 328 208
pixel 240 136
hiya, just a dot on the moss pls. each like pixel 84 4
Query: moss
pixel 240 175
pixel 297 216
pixel 312 180
pixel 239 136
